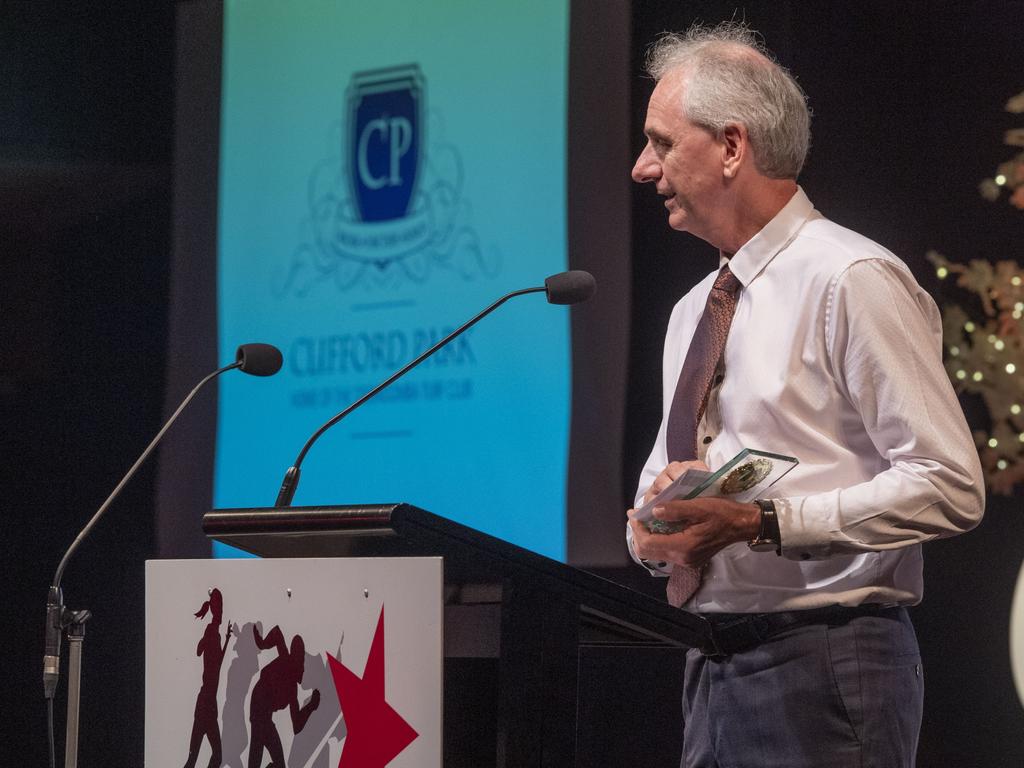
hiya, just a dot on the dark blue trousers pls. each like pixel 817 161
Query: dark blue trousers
pixel 840 695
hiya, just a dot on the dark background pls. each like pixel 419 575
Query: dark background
pixel 908 118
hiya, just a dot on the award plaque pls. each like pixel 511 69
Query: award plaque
pixel 744 478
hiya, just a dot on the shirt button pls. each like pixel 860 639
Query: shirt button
pixel 708 439
pixel 718 379
pixel 662 565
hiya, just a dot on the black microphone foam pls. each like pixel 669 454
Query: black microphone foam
pixel 259 359
pixel 570 287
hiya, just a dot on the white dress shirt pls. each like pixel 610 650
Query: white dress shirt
pixel 834 356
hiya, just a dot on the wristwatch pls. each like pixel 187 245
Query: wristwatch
pixel 768 537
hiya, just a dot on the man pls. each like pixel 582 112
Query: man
pixel 809 341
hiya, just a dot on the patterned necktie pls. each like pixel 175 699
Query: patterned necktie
pixel 691 399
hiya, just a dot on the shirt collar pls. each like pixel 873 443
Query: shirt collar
pixel 749 261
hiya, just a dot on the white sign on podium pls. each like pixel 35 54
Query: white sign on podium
pixel 306 663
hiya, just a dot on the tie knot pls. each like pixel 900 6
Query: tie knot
pixel 727 281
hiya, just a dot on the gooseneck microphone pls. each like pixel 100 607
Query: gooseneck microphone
pixel 570 287
pixel 254 359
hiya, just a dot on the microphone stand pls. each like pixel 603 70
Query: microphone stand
pixel 75 628
pixel 60 619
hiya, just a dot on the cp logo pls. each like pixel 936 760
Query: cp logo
pixel 385 140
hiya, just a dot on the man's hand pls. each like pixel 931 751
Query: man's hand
pixel 670 474
pixel 712 523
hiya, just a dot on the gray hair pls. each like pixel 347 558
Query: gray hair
pixel 732 78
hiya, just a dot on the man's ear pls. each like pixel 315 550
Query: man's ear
pixel 735 144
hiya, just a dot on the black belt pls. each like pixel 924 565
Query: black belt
pixel 730 633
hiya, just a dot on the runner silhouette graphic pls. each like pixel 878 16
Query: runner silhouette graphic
pixel 212 653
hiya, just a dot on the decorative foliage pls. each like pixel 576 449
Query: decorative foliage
pixel 986 350
pixel 986 358
pixel 1009 175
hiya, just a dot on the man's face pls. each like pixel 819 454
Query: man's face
pixel 682 159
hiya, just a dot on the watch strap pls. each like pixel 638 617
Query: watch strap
pixel 768 535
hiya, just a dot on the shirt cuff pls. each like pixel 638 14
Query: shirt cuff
pixel 800 540
pixel 658 568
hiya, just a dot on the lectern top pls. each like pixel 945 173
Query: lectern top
pixel 470 557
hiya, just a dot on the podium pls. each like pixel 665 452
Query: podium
pixel 532 614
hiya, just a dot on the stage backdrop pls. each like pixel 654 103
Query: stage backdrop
pixel 377 188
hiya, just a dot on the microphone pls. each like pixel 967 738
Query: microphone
pixel 258 359
pixel 254 359
pixel 570 287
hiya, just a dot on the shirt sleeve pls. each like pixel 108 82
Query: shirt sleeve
pixel 884 342
pixel 657 461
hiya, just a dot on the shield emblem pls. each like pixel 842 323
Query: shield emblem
pixel 385 109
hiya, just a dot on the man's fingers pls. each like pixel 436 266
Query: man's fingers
pixel 679 468
pixel 669 475
pixel 641 538
pixel 676 469
pixel 665 479
pixel 673 548
pixel 685 511
pixel 661 482
pixel 659 548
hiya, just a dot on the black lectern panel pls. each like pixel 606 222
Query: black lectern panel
pixel 535 615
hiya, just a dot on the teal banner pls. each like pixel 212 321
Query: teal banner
pixel 387 170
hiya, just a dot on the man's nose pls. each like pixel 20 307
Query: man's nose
pixel 646 167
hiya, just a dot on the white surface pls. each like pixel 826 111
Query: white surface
pixel 1017 635
pixel 328 607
